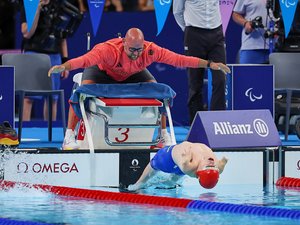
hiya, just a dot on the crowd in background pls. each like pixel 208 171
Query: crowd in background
pixel 11 7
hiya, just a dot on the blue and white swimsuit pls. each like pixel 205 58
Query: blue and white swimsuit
pixel 163 161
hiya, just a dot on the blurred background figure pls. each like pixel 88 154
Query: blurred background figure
pixel 252 16
pixel 48 35
pixel 130 5
pixel 113 5
pixel 7 24
pixel 146 5
pixel 82 5
pixel 203 37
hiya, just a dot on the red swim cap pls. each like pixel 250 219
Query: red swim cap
pixel 208 178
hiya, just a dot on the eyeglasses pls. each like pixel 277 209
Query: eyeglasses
pixel 132 50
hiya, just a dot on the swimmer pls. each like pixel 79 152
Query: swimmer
pixel 193 159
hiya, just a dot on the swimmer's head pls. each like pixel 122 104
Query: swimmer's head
pixel 208 177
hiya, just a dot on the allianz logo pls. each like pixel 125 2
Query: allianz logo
pixel 258 126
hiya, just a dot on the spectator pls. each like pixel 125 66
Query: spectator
pixel 146 5
pixel 113 5
pixel 252 15
pixel 41 39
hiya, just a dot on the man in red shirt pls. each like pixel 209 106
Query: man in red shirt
pixel 124 61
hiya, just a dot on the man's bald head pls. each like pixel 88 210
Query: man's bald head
pixel 134 36
pixel 133 43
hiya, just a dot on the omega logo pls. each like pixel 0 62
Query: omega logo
pixel 23 167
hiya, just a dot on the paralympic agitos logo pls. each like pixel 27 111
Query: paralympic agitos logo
pixel 56 167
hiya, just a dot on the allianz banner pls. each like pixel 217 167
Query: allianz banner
pixel 234 129
pixel 7 94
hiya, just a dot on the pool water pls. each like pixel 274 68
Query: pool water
pixel 33 205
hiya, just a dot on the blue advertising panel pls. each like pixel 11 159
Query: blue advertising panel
pixel 235 129
pixel 253 87
pixel 7 94
pixel 248 87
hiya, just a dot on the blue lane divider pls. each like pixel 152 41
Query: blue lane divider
pixel 4 221
pixel 245 209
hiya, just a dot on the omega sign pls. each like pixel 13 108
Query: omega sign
pixel 23 167
pixel 226 128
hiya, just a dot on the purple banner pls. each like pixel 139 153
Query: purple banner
pixel 30 7
pixel 235 129
pixel 226 7
pixel 288 8
pixel 96 9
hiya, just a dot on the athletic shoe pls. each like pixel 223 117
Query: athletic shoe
pixel 8 136
pixel 70 142
pixel 165 140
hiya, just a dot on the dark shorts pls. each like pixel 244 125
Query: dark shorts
pixel 163 161
pixel 99 76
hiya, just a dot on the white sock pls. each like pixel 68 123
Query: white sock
pixel 164 131
pixel 69 132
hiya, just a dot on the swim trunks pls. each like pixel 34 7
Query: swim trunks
pixel 163 161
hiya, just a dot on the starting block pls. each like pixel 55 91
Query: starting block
pixel 126 116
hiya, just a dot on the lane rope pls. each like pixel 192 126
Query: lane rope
pixel 288 182
pixel 159 200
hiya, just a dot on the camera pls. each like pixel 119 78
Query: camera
pixel 65 18
pixel 257 22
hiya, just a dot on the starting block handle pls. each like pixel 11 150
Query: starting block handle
pixel 173 139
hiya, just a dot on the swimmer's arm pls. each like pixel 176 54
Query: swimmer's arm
pixel 221 164
pixel 141 183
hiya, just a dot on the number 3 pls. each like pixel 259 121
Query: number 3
pixel 124 134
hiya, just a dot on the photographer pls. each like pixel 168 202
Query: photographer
pixel 252 15
pixel 48 36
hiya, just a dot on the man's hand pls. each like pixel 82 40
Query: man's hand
pixel 220 66
pixel 248 27
pixel 56 69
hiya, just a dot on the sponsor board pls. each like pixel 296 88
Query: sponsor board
pixel 234 129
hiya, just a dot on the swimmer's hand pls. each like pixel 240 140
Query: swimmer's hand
pixel 133 187
pixel 221 164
